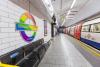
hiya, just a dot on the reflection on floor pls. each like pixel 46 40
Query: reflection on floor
pixel 62 53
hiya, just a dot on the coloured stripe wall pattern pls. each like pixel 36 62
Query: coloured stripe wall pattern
pixel 10 38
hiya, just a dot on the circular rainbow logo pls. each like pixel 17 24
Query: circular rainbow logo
pixel 22 27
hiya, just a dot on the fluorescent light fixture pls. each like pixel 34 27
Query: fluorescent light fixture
pixel 46 1
pixel 49 6
pixel 74 1
pixel 73 4
pixel 66 17
pixel 68 12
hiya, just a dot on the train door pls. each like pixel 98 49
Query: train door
pixel 78 31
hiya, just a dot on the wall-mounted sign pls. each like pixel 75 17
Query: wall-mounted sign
pixel 22 26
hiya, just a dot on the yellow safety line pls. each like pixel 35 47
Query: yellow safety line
pixel 7 65
pixel 89 48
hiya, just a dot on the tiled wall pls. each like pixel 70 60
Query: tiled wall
pixel 10 38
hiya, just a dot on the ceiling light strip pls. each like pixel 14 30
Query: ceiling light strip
pixel 74 1
pixel 73 4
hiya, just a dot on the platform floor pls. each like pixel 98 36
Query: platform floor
pixel 62 53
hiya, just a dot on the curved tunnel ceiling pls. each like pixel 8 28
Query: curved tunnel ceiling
pixel 37 8
pixel 89 9
pixel 82 9
pixel 62 7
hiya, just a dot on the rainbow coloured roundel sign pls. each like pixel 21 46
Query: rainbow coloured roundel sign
pixel 22 26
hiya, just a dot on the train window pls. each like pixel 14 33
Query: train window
pixel 92 28
pixel 72 29
pixel 95 28
pixel 85 28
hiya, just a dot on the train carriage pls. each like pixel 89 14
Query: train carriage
pixel 90 33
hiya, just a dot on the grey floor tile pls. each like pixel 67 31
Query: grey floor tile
pixel 44 65
pixel 62 53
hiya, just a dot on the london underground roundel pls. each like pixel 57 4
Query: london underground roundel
pixel 22 26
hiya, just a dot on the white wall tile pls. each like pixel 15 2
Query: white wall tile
pixel 3 30
pixel 10 38
pixel 3 24
pixel 3 35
